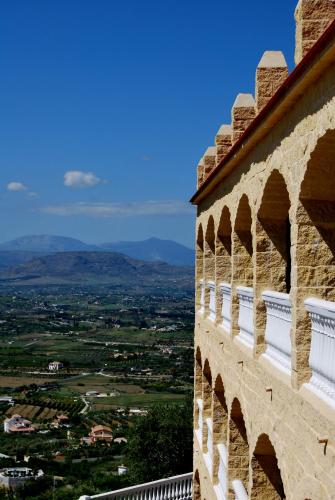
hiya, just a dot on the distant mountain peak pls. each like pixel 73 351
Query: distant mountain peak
pixel 151 249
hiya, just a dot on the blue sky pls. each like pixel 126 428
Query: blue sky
pixel 124 97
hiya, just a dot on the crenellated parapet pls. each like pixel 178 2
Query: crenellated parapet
pixel 313 17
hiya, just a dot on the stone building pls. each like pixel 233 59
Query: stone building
pixel 265 281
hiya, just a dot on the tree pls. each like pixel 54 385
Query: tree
pixel 160 444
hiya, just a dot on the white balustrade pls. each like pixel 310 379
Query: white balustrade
pixel 225 290
pixel 200 422
pixel 322 354
pixel 173 488
pixel 221 487
pixel 210 438
pixel 212 301
pixel 246 314
pixel 278 329
pixel 208 457
pixel 239 490
pixel 202 296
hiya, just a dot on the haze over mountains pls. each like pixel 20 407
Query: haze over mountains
pixel 23 249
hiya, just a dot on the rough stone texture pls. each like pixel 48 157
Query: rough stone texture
pixel 289 173
pixel 243 113
pixel 209 161
pixel 271 72
pixel 223 141
pixel 312 19
pixel 200 173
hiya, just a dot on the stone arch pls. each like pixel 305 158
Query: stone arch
pixel 273 240
pixel 196 486
pixel 209 263
pixel 266 477
pixel 273 270
pixel 223 247
pixel 223 258
pixel 198 405
pixel 220 435
pixel 242 256
pixel 238 448
pixel 198 374
pixel 315 245
pixel 207 405
pixel 199 271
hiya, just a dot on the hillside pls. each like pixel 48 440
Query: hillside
pixel 96 268
pixel 154 249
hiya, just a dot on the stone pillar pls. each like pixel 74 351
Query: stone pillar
pixel 271 72
pixel 209 161
pixel 223 141
pixel 243 113
pixel 200 173
pixel 312 18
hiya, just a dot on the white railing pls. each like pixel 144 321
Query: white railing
pixel 210 438
pixel 208 457
pixel 239 490
pixel 221 487
pixel 202 296
pixel 225 290
pixel 212 301
pixel 173 488
pixel 200 422
pixel 322 354
pixel 246 314
pixel 278 329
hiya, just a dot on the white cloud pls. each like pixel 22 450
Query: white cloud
pixel 16 186
pixel 79 179
pixel 97 209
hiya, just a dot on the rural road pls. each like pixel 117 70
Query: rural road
pixel 87 405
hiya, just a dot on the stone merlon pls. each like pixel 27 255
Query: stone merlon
pixel 209 161
pixel 200 173
pixel 223 141
pixel 271 72
pixel 243 113
pixel 312 19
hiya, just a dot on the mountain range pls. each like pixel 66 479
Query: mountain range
pixel 23 249
pixel 64 268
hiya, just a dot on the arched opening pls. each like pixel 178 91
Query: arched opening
pixel 273 241
pixel 199 271
pixel 242 297
pixel 210 301
pixel 238 451
pixel 196 486
pixel 223 269
pixel 207 439
pixel 273 272
pixel 198 404
pixel 315 260
pixel 220 435
pixel 266 478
